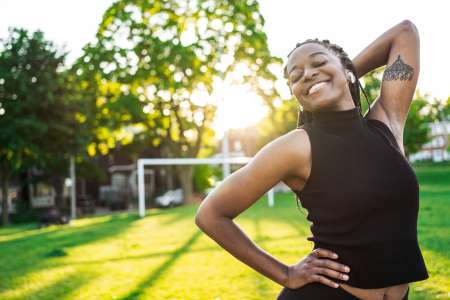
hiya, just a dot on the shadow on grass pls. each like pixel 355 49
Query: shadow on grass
pixel 15 229
pixel 161 253
pixel 59 289
pixel 22 256
pixel 150 281
pixel 180 213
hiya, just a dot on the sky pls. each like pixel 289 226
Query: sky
pixel 353 26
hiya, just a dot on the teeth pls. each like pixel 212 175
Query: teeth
pixel 316 87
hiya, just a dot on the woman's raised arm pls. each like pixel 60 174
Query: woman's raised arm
pixel 399 49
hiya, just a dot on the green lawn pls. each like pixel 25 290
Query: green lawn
pixel 165 256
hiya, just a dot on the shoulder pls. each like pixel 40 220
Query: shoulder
pixel 296 141
pixel 289 150
pixel 295 145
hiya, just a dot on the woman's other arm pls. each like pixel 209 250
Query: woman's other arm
pixel 376 54
pixel 273 163
pixel 399 49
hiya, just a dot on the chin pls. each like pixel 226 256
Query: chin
pixel 324 104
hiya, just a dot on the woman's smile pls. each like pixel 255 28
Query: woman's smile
pixel 316 87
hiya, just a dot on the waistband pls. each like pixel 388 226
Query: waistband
pixel 380 265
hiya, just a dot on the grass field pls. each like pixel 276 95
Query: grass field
pixel 165 256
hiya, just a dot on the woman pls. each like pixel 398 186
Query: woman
pixel 349 172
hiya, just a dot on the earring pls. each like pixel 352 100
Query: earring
pixel 351 77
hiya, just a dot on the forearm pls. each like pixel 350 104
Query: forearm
pixel 229 235
pixel 376 53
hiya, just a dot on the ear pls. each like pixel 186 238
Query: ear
pixel 350 76
pixel 347 71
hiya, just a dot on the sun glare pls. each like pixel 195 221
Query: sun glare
pixel 237 107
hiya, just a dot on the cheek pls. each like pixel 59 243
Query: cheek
pixel 297 92
pixel 339 77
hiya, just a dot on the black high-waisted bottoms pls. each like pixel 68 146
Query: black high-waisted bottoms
pixel 319 291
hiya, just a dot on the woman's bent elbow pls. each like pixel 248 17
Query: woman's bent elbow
pixel 409 26
pixel 201 219
pixel 198 221
pixel 207 220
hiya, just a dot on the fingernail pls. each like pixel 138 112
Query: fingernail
pixel 335 255
pixel 345 277
pixel 336 285
pixel 347 269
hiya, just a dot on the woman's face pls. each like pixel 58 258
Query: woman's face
pixel 312 63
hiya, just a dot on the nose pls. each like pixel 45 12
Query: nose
pixel 309 74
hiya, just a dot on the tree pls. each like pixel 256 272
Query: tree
pixel 37 130
pixel 417 130
pixel 439 110
pixel 372 86
pixel 155 64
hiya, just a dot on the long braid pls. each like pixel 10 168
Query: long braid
pixel 305 116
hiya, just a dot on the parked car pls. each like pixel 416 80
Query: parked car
pixel 52 216
pixel 170 198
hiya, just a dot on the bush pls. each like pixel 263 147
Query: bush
pixel 24 214
pixel 205 176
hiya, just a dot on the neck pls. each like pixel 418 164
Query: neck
pixel 338 121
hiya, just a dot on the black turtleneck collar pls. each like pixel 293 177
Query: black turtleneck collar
pixel 339 121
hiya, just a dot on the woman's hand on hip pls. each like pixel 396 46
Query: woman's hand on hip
pixel 314 266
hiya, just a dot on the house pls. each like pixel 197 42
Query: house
pixel 436 149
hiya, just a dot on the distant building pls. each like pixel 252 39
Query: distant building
pixel 436 149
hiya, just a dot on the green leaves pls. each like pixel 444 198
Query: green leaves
pixel 32 95
pixel 173 48
pixel 417 129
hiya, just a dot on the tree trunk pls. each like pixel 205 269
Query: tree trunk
pixel 58 185
pixel 185 175
pixel 169 178
pixel 24 192
pixel 4 178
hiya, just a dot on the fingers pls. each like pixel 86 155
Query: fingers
pixel 331 273
pixel 319 252
pixel 326 263
pixel 324 266
pixel 324 280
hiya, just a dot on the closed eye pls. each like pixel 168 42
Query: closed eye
pixel 296 78
pixel 315 65
pixel 321 63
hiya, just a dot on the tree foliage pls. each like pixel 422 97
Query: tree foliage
pixel 154 65
pixel 35 116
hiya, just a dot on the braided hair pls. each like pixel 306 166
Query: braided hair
pixel 305 116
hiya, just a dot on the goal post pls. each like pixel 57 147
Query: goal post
pixel 141 163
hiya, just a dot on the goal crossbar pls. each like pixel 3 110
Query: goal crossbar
pixel 141 163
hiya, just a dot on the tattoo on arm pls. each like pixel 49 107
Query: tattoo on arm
pixel 398 70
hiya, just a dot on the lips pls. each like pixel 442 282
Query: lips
pixel 311 87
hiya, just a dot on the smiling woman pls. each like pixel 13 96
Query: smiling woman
pixel 348 170
pixel 320 89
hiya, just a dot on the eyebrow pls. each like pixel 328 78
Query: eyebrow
pixel 312 54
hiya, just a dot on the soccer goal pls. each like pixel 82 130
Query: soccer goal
pixel 225 161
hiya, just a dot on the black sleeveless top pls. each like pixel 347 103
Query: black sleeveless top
pixel 362 198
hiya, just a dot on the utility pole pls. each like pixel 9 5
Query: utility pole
pixel 73 206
